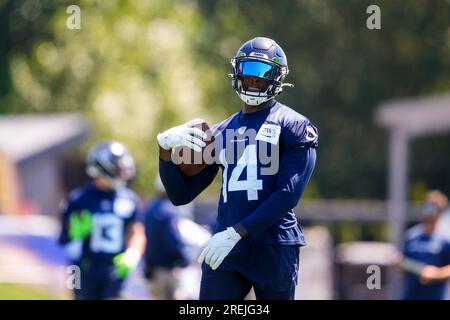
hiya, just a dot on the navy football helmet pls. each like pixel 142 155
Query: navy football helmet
pixel 111 160
pixel 259 69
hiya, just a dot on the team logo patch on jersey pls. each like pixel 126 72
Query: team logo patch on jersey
pixel 311 134
pixel 269 133
pixel 124 207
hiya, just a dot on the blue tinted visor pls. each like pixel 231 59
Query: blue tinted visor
pixel 258 69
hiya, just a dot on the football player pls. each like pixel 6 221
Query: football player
pixel 429 251
pixel 267 153
pixel 165 253
pixel 99 224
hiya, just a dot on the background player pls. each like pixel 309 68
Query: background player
pixel 257 238
pixel 174 242
pixel 99 228
pixel 430 251
pixel 165 252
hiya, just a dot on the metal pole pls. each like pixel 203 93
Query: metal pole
pixel 398 181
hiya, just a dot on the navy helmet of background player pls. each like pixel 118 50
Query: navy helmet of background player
pixel 111 161
pixel 98 223
pixel 257 237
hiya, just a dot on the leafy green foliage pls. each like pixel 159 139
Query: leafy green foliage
pixel 137 67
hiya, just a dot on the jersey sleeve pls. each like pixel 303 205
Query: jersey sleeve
pixel 404 248
pixel 296 168
pixel 446 253
pixel 300 134
pixel 180 189
pixel 66 207
pixel 136 216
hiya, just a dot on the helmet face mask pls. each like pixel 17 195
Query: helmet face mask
pixel 259 68
pixel 112 162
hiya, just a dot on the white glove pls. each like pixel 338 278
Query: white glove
pixel 218 247
pixel 183 136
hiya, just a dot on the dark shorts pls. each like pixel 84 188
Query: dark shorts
pixel 272 270
pixel 99 285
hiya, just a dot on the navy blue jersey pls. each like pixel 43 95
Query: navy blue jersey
pixel 165 247
pixel 267 159
pixel 112 214
pixel 428 249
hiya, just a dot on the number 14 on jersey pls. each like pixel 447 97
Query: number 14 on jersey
pixel 248 161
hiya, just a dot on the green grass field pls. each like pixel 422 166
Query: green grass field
pixel 10 291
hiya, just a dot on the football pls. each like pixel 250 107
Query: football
pixel 192 162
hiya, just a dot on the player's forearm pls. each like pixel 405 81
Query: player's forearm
pixel 174 182
pixel 137 239
pixel 64 213
pixel 164 154
pixel 63 237
pixel 285 199
pixel 445 272
pixel 180 189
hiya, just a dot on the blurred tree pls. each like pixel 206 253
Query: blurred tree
pixel 136 67
pixel 130 69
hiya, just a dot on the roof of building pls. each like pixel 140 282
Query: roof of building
pixel 416 116
pixel 25 136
